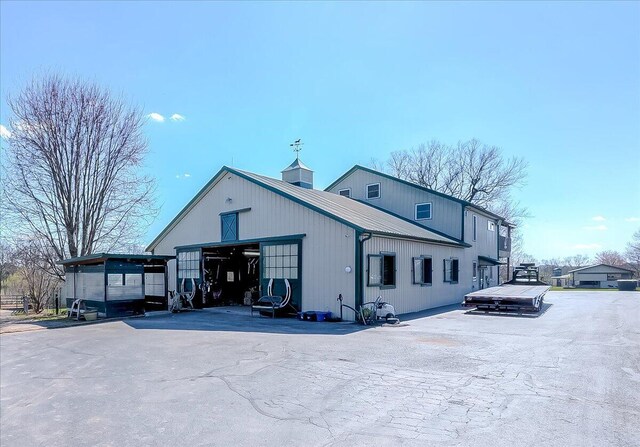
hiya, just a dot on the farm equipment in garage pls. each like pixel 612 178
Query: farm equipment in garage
pixel 525 292
pixel 372 312
pixel 183 299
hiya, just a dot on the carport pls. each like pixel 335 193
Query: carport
pixel 117 284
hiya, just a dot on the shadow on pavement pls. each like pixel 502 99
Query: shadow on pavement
pixel 227 321
pixel 511 313
pixel 429 312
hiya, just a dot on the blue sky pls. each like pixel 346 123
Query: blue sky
pixel 556 83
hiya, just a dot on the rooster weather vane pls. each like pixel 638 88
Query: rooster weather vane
pixel 297 147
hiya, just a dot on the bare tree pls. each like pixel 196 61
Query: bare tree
pixel 610 257
pixel 470 171
pixel 74 163
pixel 7 264
pixel 576 261
pixel 34 280
pixel 632 253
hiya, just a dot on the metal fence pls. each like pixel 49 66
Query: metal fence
pixel 16 303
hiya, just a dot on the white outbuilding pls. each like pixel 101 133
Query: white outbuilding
pixel 599 276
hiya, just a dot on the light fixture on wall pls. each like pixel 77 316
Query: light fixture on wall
pixel 229 200
pixel 347 269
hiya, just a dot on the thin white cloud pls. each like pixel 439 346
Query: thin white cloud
pixel 598 218
pixel 587 246
pixel 156 117
pixel 177 117
pixel 187 174
pixel 596 228
pixel 4 132
pixel 632 219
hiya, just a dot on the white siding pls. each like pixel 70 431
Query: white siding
pixel 327 249
pixel 486 243
pixel 401 199
pixel 409 297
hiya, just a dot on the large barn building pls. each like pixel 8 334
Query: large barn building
pixel 367 235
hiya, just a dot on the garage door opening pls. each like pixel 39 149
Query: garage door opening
pixel 231 275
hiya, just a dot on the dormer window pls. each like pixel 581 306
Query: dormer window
pixel 373 191
pixel 423 211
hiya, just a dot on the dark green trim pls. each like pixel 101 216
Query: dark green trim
pixel 296 284
pixel 178 217
pixel 243 241
pixel 230 237
pixel 456 242
pixel 102 257
pixel 382 255
pixel 413 185
pixel 244 176
pixel 390 177
pixel 359 291
pixel 491 261
pixel 295 199
pixel 241 210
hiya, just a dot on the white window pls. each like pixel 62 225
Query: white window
pixel 189 264
pixel 280 261
pixel 451 270
pixel 475 227
pixel 423 270
pixel 345 192
pixel 133 279
pixel 373 191
pixel 475 270
pixel 491 226
pixel 423 211
pixel 115 279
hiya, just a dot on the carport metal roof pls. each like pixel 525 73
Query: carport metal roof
pixel 101 257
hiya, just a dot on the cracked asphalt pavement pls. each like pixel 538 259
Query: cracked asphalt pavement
pixel 569 377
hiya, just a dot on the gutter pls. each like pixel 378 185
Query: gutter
pixel 359 292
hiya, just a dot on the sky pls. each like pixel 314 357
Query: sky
pixel 235 83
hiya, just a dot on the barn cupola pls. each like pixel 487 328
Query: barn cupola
pixel 297 173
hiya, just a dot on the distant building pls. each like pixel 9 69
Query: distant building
pixel 599 276
pixel 560 280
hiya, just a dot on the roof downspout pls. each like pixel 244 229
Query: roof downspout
pixel 359 298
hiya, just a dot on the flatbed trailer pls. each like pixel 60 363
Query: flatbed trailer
pixel 525 292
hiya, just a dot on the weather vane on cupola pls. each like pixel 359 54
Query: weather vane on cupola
pixel 297 147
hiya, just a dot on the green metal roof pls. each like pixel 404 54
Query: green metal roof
pixel 101 257
pixel 350 212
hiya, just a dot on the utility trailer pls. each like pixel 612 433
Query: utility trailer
pixel 525 292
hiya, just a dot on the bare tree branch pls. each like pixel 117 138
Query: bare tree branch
pixel 73 177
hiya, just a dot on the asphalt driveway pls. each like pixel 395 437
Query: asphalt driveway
pixel 568 377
